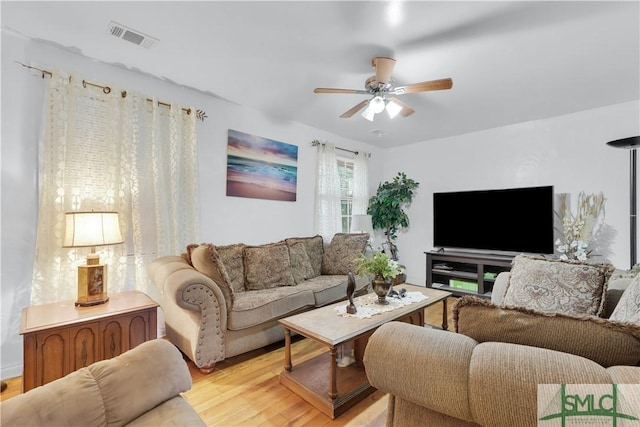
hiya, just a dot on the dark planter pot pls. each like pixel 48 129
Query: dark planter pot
pixel 381 287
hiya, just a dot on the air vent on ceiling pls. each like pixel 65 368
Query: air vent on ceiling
pixel 136 37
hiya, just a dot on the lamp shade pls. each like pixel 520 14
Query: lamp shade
pixel 393 108
pixel 626 143
pixel 89 229
pixel 361 224
pixel 377 104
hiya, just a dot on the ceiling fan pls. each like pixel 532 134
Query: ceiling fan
pixel 384 93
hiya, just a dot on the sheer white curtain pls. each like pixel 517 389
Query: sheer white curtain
pixel 327 220
pixel 112 152
pixel 360 183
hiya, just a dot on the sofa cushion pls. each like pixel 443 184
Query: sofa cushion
pixel 301 268
pixel 343 252
pixel 328 289
pixel 557 285
pixel 206 260
pixel 233 261
pixel 628 308
pixel 606 342
pixel 174 412
pixel 315 249
pixel 267 266
pixel 257 307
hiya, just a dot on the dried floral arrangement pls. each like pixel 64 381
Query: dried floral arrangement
pixel 578 230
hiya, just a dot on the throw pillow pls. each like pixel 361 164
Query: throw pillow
pixel 557 285
pixel 267 266
pixel 315 248
pixel 628 308
pixel 233 261
pixel 342 255
pixel 606 342
pixel 301 268
pixel 187 255
pixel 206 260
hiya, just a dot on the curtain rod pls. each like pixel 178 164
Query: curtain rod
pixel 315 143
pixel 200 114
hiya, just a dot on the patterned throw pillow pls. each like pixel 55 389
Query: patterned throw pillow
pixel 206 260
pixel 628 308
pixel 342 255
pixel 606 342
pixel 315 249
pixel 187 255
pixel 233 261
pixel 267 266
pixel 570 287
pixel 300 264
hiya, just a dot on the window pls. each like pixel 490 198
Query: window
pixel 345 169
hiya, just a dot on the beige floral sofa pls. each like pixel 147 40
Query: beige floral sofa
pixel 221 301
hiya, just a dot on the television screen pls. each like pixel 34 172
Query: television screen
pixel 509 220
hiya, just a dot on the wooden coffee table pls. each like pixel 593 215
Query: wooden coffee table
pixel 319 381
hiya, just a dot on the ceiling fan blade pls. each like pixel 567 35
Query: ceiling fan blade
pixel 441 84
pixel 332 90
pixel 384 68
pixel 354 110
pixel 406 110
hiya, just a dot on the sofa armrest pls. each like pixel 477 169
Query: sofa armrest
pixel 425 366
pixel 140 379
pixel 194 310
pixel 500 287
pixel 111 392
pixel 453 375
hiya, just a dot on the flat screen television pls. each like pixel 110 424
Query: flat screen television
pixel 509 220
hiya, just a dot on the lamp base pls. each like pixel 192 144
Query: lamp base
pixel 92 302
pixel 92 284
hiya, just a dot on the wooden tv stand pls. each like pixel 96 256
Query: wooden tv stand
pixel 467 266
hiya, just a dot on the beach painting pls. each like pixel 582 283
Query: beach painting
pixel 261 168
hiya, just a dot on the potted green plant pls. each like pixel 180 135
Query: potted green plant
pixel 383 269
pixel 387 208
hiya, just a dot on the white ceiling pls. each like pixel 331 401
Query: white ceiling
pixel 510 61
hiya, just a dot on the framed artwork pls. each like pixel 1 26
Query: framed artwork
pixel 261 168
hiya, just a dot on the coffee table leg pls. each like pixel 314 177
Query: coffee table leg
pixel 333 386
pixel 287 349
pixel 445 323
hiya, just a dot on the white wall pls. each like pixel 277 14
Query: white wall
pixel 569 152
pixel 223 219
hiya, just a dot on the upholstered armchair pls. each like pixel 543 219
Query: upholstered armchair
pixel 489 372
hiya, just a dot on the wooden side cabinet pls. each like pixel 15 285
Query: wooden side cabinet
pixel 60 338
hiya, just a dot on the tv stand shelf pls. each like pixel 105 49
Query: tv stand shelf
pixel 444 266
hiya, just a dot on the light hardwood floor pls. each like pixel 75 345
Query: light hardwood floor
pixel 245 390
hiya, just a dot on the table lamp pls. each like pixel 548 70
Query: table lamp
pixel 361 224
pixel 91 229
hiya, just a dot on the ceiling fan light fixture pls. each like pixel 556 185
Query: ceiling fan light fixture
pixel 393 109
pixel 368 113
pixel 377 104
